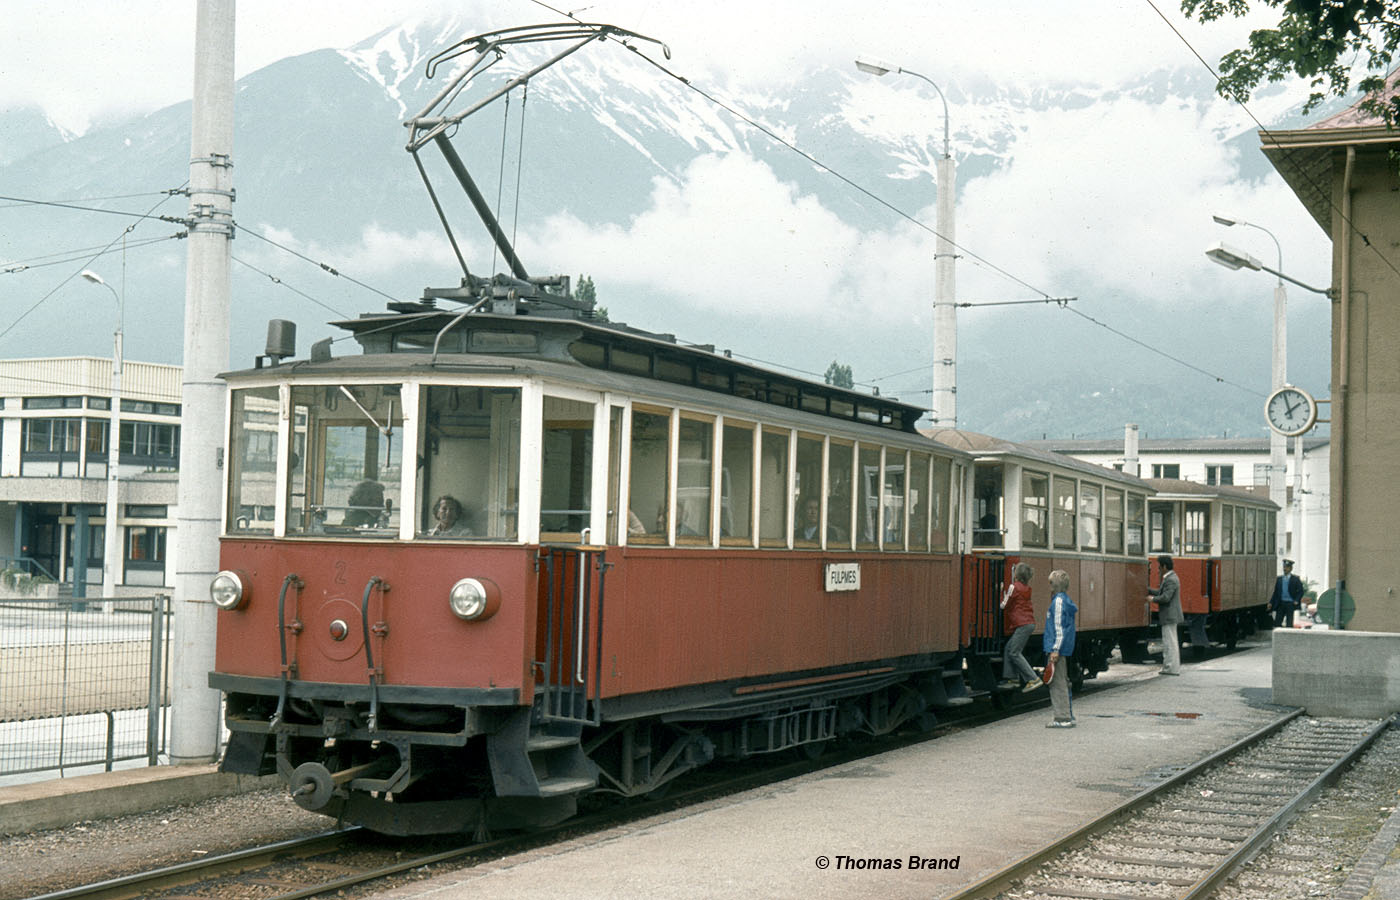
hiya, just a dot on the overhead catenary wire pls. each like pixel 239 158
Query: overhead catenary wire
pixel 88 260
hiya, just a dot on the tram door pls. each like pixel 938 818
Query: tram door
pixel 983 578
pixel 570 628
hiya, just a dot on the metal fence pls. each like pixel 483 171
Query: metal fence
pixel 82 683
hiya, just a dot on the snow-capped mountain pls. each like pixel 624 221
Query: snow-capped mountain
pixel 689 219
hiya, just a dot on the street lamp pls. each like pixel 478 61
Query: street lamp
pixel 945 311
pixel 111 550
pixel 1278 444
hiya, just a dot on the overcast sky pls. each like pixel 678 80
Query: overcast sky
pixel 1121 190
pixel 80 58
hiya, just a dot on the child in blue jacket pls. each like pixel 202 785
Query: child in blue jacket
pixel 1058 644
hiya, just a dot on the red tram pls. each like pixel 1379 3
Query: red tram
pixel 659 555
pixel 1053 512
pixel 1222 543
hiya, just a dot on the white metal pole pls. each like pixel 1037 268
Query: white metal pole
pixel 945 311
pixel 194 727
pixel 112 545
pixel 1278 444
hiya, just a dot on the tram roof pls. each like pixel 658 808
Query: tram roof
pixel 1174 488
pixel 985 445
pixel 537 335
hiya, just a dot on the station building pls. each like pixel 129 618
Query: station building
pixel 1342 169
pixel 1240 462
pixel 55 423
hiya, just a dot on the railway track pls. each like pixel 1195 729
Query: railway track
pixel 1188 835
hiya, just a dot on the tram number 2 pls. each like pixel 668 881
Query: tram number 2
pixel 842 577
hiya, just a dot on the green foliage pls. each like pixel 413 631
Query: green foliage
pixel 839 375
pixel 588 293
pixel 1320 40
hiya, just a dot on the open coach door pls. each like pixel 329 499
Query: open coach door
pixel 569 642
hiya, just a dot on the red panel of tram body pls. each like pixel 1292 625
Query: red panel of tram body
pixel 1199 592
pixel 422 642
pixel 683 617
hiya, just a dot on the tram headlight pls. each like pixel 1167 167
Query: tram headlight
pixel 227 591
pixel 474 599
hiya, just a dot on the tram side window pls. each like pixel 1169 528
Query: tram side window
pixel 892 501
pixel 1239 529
pixel 773 488
pixel 694 474
pixel 736 503
pixel 1160 532
pixel 566 467
pixel 1035 509
pixel 1271 527
pixel 840 478
pixel 1089 516
pixel 649 484
pixel 988 504
pixel 252 464
pixel 1112 521
pixel 1064 513
pixel 918 501
pixel 347 479
pixel 943 514
pixel 1135 523
pixel 1195 528
pixel 471 455
pixel 1251 531
pixel 869 507
pixel 1227 531
pixel 806 522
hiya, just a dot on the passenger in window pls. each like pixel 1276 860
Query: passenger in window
pixel 1020 617
pixel 810 528
pixel 447 517
pixel 634 524
pixel 365 506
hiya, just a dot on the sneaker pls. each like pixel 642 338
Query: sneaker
pixel 1165 672
pixel 1008 685
pixel 1061 723
pixel 1031 685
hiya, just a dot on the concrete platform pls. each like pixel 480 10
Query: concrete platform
pixel 57 802
pixel 971 802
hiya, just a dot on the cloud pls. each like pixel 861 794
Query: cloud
pixel 730 235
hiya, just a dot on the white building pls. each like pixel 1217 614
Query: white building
pixel 1242 462
pixel 54 421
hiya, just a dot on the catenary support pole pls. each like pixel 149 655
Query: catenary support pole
pixel 194 728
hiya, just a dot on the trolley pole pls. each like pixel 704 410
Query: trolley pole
pixel 194 725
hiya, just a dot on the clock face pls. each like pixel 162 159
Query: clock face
pixel 1290 411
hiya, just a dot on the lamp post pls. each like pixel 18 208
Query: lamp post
pixel 1278 444
pixel 111 550
pixel 945 311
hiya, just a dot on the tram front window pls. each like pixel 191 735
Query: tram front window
pixel 252 461
pixel 345 460
pixel 470 461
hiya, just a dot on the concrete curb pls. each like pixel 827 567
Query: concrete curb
pixel 59 802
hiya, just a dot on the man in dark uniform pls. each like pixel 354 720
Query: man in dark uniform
pixel 1288 591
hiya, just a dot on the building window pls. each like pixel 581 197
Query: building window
pixel 1220 474
pixel 49 447
pixel 150 444
pixel 145 548
pixel 1166 470
pixel 53 402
